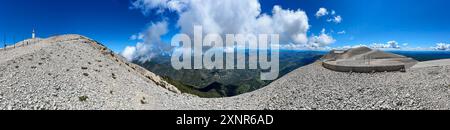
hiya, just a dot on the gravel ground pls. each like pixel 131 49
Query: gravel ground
pixel 68 73
pixel 313 87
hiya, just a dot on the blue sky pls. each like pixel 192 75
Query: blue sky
pixel 420 23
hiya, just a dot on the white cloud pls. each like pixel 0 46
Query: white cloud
pixel 442 46
pixel 149 43
pixel 350 47
pixel 341 32
pixel 291 25
pixel 321 12
pixel 389 44
pixel 393 44
pixel 236 16
pixel 418 48
pixel 138 36
pixel 147 6
pixel 225 16
pixel 360 45
pixel 232 17
pixel 129 53
pixel 335 19
pixel 304 47
pixel 322 40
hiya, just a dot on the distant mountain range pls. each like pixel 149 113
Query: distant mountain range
pixel 225 83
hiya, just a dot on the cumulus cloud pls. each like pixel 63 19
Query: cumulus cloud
pixel 149 44
pixel 393 44
pixel 442 46
pixel 322 12
pixel 335 19
pixel 333 12
pixel 350 47
pixel 225 16
pixel 236 16
pixel 291 25
pixel 322 40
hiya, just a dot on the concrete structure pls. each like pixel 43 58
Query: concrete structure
pixel 366 60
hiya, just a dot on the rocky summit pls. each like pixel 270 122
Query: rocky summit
pixel 73 72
